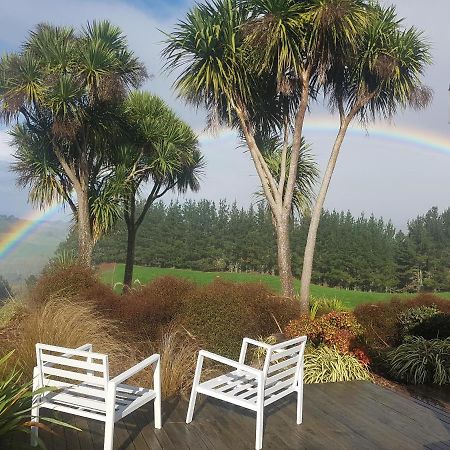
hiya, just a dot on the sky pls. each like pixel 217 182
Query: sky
pixel 395 179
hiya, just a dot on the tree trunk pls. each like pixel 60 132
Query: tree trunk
pixel 129 262
pixel 284 256
pixel 132 227
pixel 315 219
pixel 85 240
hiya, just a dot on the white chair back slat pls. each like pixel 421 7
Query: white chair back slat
pixel 72 367
pixel 70 362
pixel 285 361
pixel 280 375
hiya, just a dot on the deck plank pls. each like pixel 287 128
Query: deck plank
pixel 338 416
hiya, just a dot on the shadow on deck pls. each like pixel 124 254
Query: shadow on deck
pixel 352 415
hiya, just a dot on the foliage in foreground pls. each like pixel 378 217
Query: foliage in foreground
pixel 419 361
pixel 15 405
pixel 327 365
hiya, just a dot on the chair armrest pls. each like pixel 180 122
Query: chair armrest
pixel 135 369
pixel 230 362
pixel 257 343
pixel 86 347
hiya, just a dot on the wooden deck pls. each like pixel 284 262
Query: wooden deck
pixel 354 415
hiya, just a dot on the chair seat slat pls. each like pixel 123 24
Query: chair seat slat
pixel 277 386
pixel 274 398
pixel 75 411
pixel 71 399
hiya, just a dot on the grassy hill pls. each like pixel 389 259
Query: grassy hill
pixel 31 255
pixel 113 273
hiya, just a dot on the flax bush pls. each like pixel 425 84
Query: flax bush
pixel 327 365
pixel 419 361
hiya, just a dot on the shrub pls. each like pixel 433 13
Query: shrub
pixel 434 327
pixel 420 361
pixel 327 365
pixel 222 313
pixel 414 316
pixel 380 323
pixel 63 281
pixel 338 329
pixel 68 323
pixel 154 305
pixel 380 320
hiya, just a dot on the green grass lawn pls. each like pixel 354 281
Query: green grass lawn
pixel 146 274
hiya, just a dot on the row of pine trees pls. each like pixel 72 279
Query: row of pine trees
pixel 364 253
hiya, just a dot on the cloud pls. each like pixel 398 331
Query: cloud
pixel 391 179
pixel 5 149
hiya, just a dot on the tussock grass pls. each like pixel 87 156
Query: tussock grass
pixel 64 322
pixel 178 350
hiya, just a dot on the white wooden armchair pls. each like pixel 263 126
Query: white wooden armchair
pixel 83 387
pixel 251 388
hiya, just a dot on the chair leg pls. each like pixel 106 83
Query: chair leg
pixel 34 430
pixel 260 415
pixel 109 434
pixel 157 412
pixel 259 429
pixel 300 397
pixel 198 372
pixel 190 412
pixel 35 409
pixel 300 405
pixel 157 401
pixel 110 416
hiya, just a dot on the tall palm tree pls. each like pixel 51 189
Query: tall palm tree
pixel 163 152
pixel 67 86
pixel 255 65
pixel 382 74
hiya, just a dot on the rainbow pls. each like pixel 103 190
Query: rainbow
pixel 23 229
pixel 419 138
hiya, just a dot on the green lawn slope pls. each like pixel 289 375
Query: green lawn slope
pixel 113 274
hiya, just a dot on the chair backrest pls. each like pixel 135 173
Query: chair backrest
pixel 283 364
pixel 66 367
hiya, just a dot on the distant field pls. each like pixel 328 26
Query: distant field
pixel 112 275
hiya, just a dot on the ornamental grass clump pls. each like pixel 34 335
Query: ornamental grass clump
pixel 66 322
pixel 178 350
pixel 327 365
pixel 421 361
